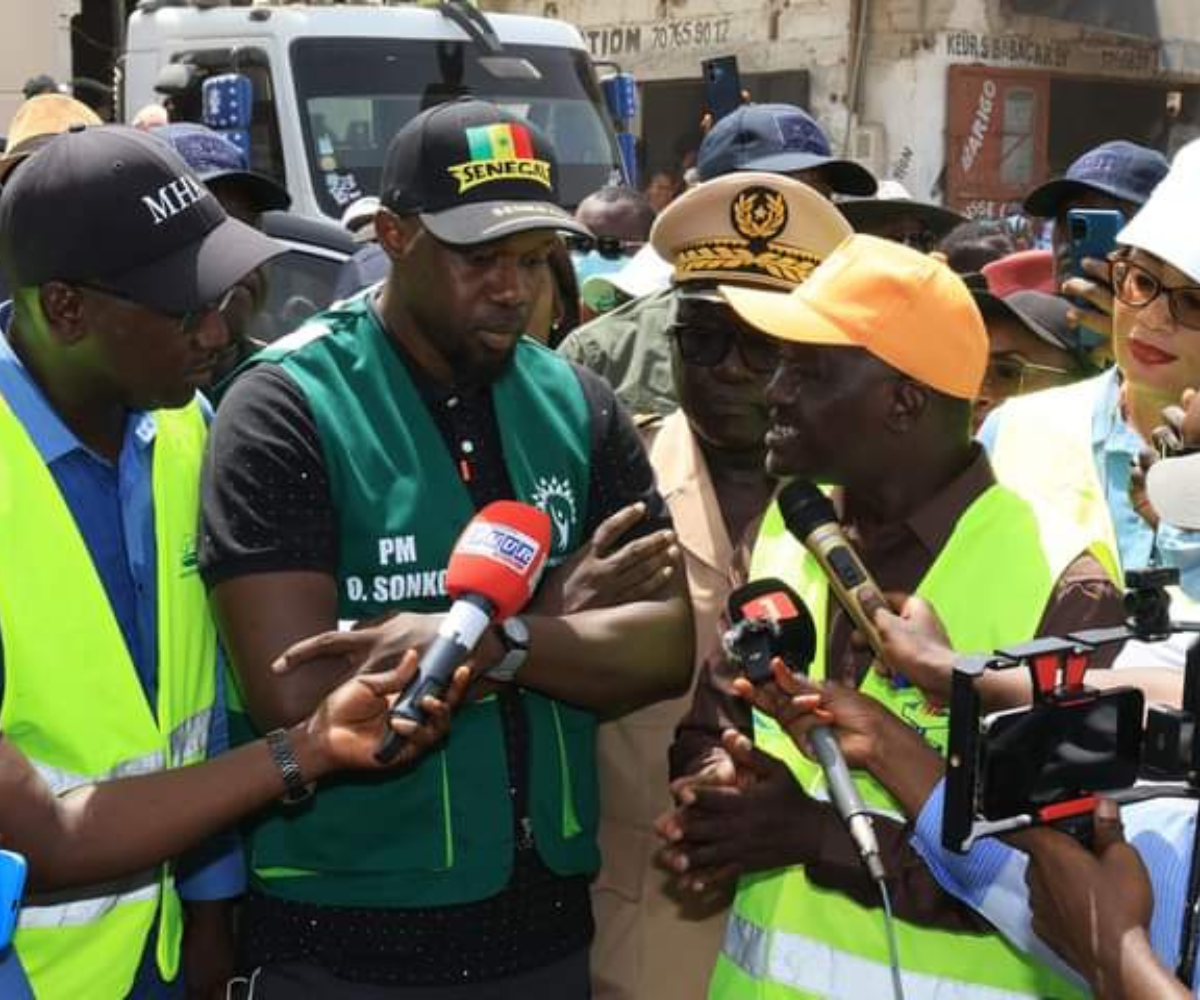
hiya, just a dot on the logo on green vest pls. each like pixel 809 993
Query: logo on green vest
pixel 554 497
pixel 188 561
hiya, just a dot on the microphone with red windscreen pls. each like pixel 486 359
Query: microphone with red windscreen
pixel 494 569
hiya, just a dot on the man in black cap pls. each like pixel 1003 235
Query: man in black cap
pixel 120 262
pixel 342 467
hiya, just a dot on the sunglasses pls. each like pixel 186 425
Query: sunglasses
pixel 706 345
pixel 611 247
pixel 189 322
pixel 1137 287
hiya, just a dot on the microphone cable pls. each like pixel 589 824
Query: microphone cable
pixel 889 926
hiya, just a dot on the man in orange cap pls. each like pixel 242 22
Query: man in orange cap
pixel 883 352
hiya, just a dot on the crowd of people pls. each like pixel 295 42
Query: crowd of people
pixel 221 560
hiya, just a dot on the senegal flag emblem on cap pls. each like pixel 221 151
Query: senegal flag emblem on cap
pixel 502 152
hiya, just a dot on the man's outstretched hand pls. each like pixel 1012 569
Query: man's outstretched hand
pixel 348 727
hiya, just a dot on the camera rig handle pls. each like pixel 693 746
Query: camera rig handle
pixel 1058 667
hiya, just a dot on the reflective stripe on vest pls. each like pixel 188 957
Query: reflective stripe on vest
pixel 188 743
pixel 73 703
pixel 46 910
pixel 800 963
pixel 990 584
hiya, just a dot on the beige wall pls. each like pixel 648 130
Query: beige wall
pixel 36 38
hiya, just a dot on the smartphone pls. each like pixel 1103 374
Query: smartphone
pixel 12 886
pixel 1058 751
pixel 1091 232
pixel 722 85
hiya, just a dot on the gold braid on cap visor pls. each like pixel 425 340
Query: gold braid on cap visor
pixel 777 264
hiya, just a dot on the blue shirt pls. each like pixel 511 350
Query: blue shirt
pixel 990 878
pixel 1115 447
pixel 113 509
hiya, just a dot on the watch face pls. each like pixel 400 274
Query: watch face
pixel 517 632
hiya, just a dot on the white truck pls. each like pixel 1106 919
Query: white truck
pixel 332 84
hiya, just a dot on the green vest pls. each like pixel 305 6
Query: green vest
pixel 73 703
pixel 442 832
pixel 789 939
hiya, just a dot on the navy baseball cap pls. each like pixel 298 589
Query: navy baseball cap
pixel 1119 169
pixel 473 173
pixel 115 208
pixel 778 139
pixel 213 157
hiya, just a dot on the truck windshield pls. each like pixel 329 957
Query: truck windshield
pixel 355 94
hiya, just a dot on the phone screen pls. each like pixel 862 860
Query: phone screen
pixel 1056 752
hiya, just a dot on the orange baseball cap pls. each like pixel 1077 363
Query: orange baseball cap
pixel 908 309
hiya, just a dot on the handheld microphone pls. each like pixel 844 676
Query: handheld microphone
pixel 810 517
pixel 767 620
pixel 772 609
pixel 493 571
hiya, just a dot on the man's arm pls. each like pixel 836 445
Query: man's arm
pixel 608 660
pixel 103 831
pixel 259 616
pixel 269 545
pixel 614 659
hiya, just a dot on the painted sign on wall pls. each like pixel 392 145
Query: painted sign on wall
pixel 996 136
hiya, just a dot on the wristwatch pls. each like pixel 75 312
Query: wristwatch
pixel 513 634
pixel 296 789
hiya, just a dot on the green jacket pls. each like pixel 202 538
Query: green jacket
pixel 630 349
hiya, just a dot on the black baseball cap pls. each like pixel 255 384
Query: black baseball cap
pixel 1045 316
pixel 474 173
pixel 114 207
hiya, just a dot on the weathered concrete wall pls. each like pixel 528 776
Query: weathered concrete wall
pixel 911 44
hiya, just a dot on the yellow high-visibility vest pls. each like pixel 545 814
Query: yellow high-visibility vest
pixel 789 939
pixel 73 703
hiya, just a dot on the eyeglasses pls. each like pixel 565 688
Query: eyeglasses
pixel 611 247
pixel 189 322
pixel 706 345
pixel 1136 287
pixel 1010 376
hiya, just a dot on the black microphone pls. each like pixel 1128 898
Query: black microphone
pixel 810 517
pixel 770 619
